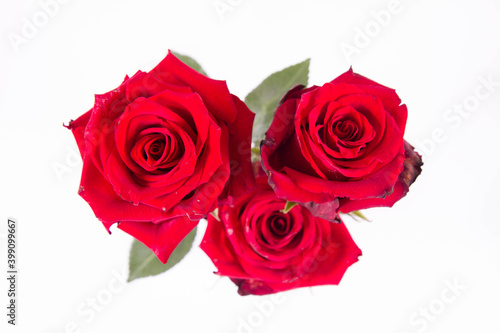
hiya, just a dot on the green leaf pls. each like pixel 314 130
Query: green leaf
pixel 143 262
pixel 288 207
pixel 190 62
pixel 358 215
pixel 264 99
pixel 215 213
pixel 255 155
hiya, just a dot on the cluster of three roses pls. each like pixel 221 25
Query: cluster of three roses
pixel 168 147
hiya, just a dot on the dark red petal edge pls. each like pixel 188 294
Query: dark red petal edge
pixel 412 169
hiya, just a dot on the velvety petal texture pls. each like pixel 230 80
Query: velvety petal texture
pixel 412 168
pixel 264 250
pixel 341 143
pixel 161 150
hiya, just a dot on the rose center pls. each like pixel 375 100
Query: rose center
pixel 346 130
pixel 155 151
pixel 279 226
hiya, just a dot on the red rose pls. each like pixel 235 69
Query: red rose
pixel 160 150
pixel 264 250
pixel 340 144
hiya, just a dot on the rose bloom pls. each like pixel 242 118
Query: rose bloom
pixel 160 150
pixel 264 251
pixel 340 145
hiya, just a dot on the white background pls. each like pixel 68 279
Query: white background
pixel 437 54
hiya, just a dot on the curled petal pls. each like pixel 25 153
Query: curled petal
pixel 161 238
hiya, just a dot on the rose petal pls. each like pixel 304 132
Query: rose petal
pixel 99 130
pixel 217 246
pixel 214 93
pixel 241 180
pixel 160 238
pixel 77 127
pixel 107 205
pixel 412 169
